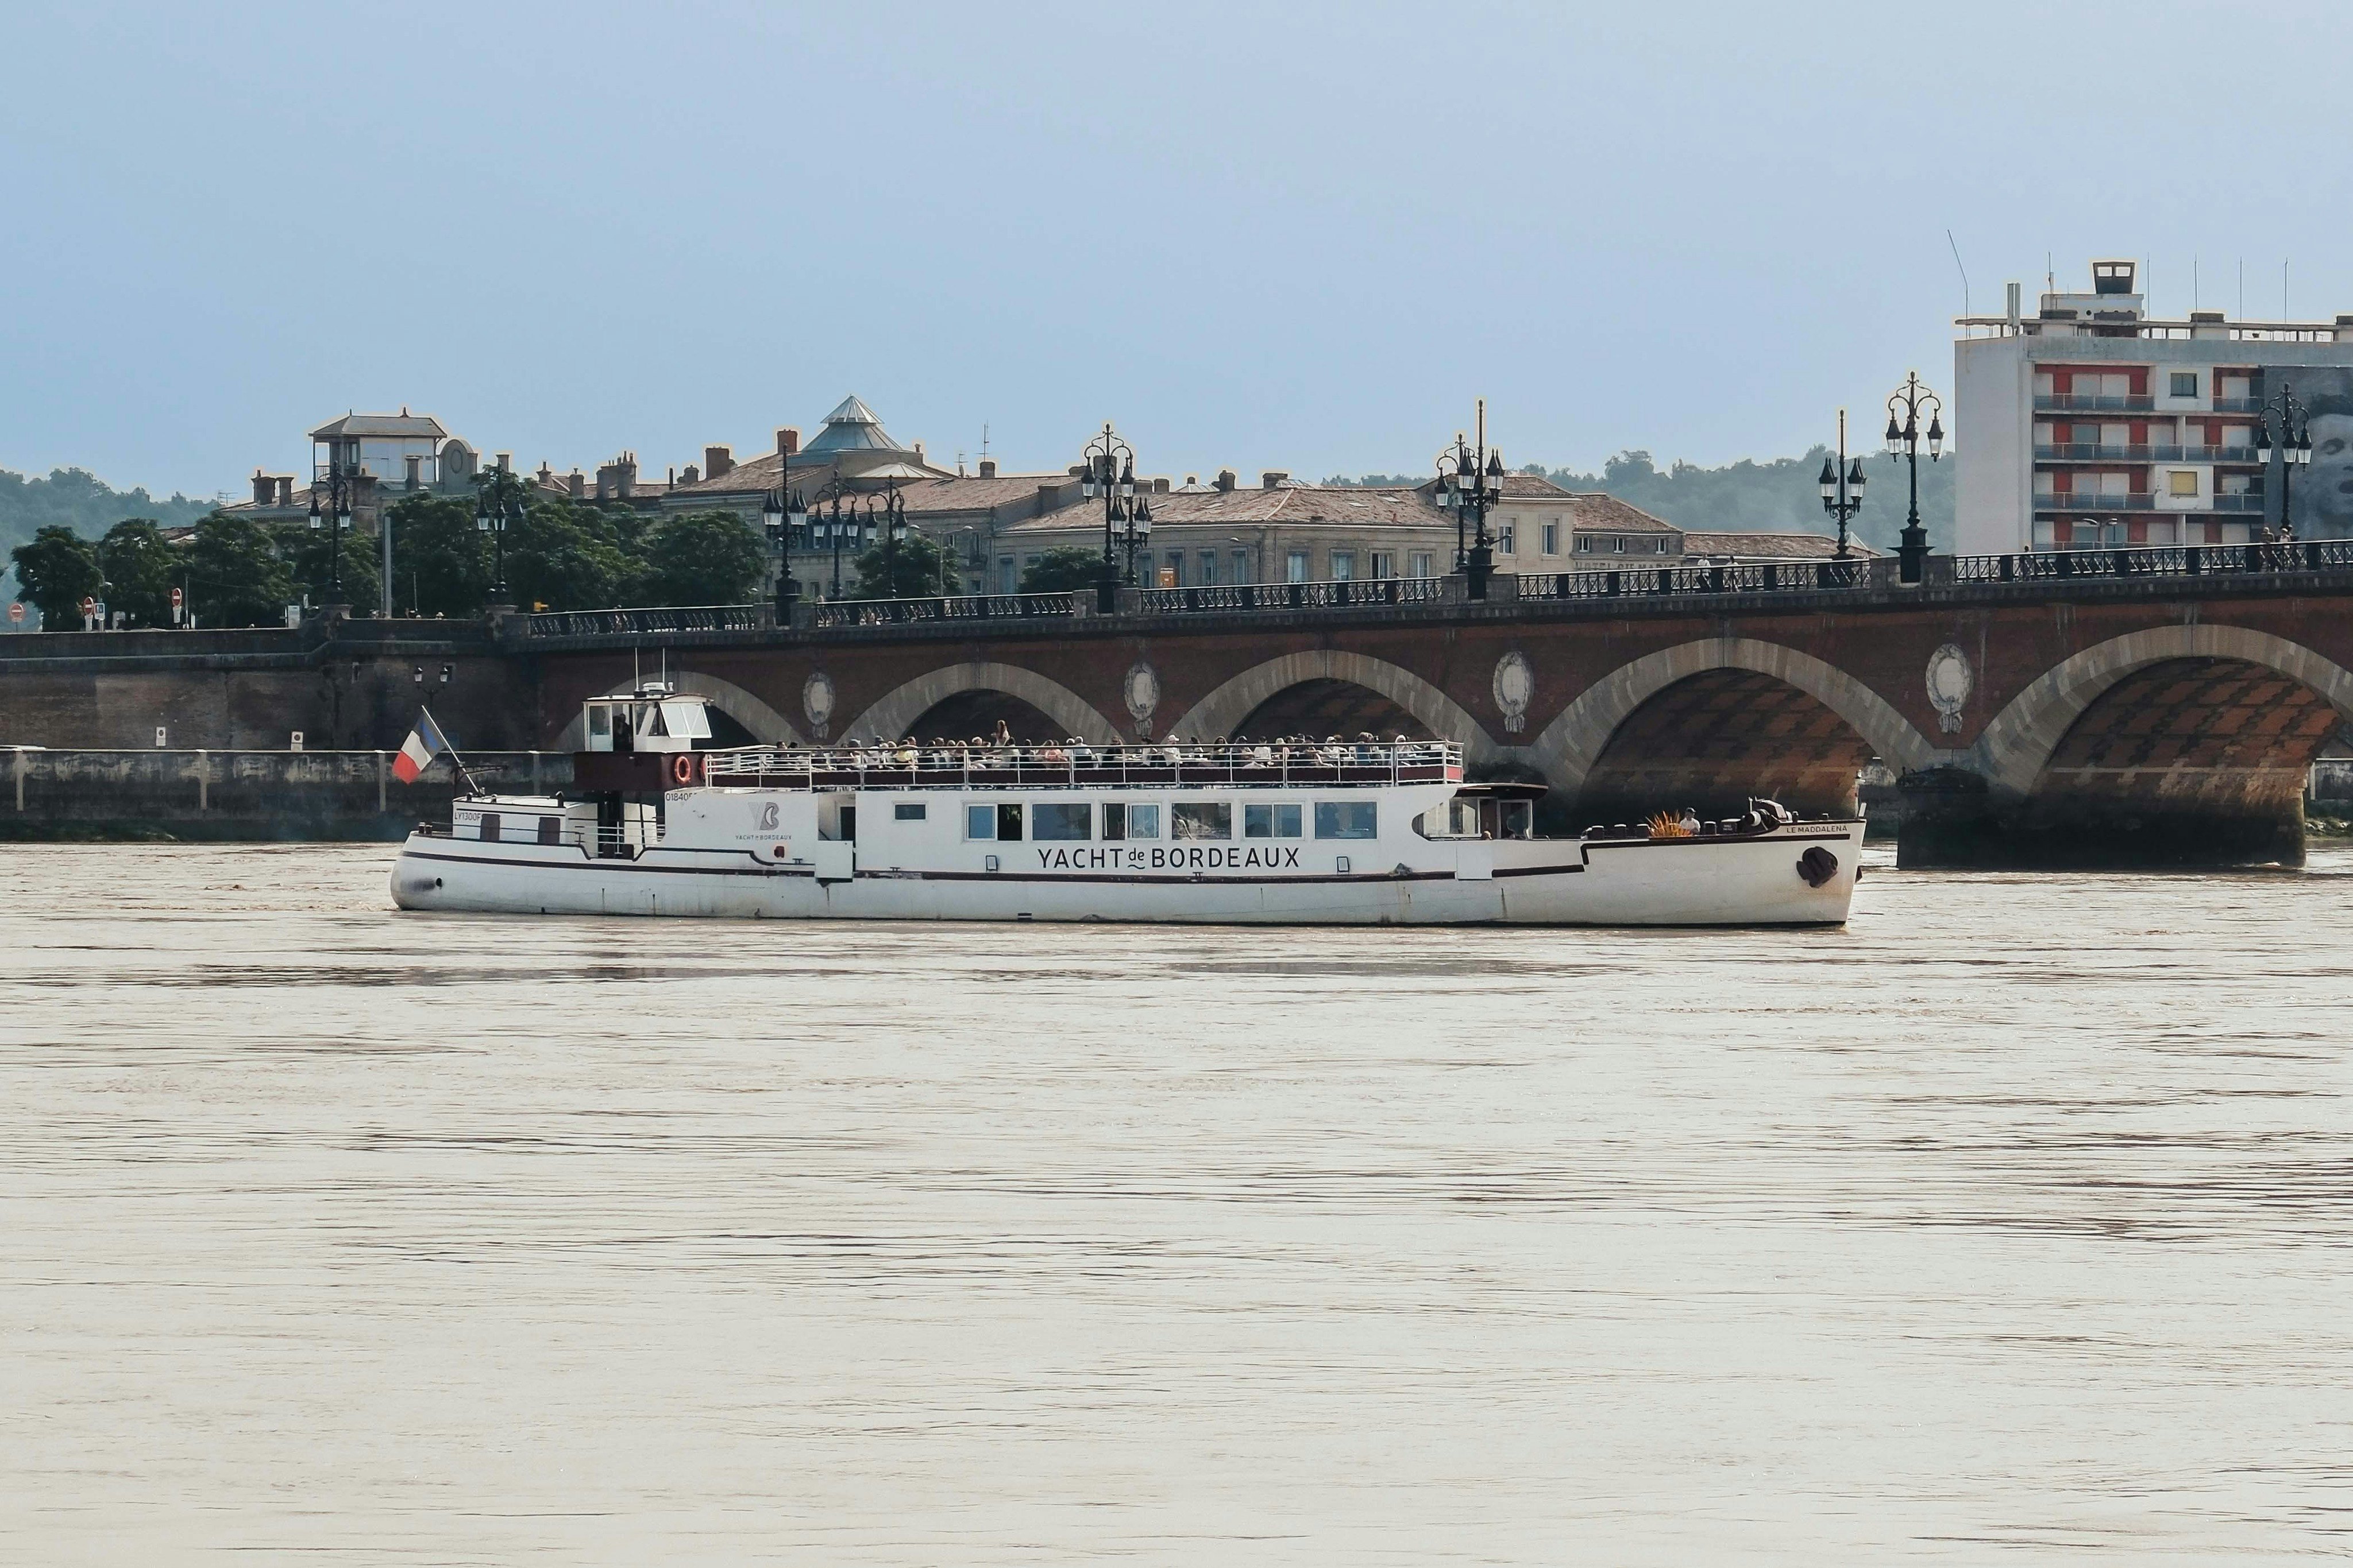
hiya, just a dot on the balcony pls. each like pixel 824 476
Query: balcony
pixel 2070 403
pixel 2205 454
pixel 2089 503
pixel 2238 405
pixel 2079 452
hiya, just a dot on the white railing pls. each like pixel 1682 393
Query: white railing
pixel 1272 764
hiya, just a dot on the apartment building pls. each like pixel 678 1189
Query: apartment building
pixel 2093 423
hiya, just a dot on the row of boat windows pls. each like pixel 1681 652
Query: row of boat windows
pixel 1116 821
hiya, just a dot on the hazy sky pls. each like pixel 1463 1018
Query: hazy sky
pixel 1290 235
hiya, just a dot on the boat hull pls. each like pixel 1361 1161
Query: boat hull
pixel 1730 880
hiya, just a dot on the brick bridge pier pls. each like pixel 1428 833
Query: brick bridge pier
pixel 2092 708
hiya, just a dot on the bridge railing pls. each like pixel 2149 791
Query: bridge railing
pixel 2180 561
pixel 1287 596
pixel 1659 582
pixel 662 620
pixel 958 607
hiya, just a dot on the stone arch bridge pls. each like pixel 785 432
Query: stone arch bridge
pixel 2129 718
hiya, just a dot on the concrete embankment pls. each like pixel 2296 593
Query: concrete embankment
pixel 252 795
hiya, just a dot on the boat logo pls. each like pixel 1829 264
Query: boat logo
pixel 768 817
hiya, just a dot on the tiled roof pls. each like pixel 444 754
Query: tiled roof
pixel 1295 505
pixel 1593 509
pixel 1531 487
pixel 1770 546
pixel 401 424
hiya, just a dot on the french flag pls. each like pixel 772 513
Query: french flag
pixel 416 754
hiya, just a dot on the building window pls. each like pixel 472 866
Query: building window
pixel 1343 566
pixel 1008 579
pixel 1208 567
pixel 2185 384
pixel 1504 537
pixel 1659 546
pixel 1173 574
pixel 2181 481
pixel 1384 565
pixel 1242 566
pixel 1294 566
pixel 1552 538
pixel 1617 545
pixel 1419 563
pixel 1585 544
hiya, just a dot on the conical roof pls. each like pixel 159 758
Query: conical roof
pixel 853 427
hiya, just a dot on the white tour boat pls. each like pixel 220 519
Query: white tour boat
pixel 1364 833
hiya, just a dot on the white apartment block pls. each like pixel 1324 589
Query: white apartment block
pixel 2091 424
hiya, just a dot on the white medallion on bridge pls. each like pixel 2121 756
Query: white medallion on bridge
pixel 1514 683
pixel 816 701
pixel 1141 692
pixel 1949 683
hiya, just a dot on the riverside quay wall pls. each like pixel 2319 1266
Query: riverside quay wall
pixel 2091 708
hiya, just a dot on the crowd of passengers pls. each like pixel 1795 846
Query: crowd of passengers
pixel 1002 751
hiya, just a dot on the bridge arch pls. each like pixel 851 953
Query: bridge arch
pixel 2024 739
pixel 898 712
pixel 1226 708
pixel 1570 748
pixel 764 723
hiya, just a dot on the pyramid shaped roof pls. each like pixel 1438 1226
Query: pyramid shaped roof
pixel 853 427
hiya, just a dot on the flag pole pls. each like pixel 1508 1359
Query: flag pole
pixel 456 761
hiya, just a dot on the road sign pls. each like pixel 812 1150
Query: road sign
pixel 16 615
pixel 177 600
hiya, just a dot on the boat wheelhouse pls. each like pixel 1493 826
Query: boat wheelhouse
pixel 1336 832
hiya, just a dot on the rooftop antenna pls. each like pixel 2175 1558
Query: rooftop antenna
pixel 983 442
pixel 2050 276
pixel 1962 270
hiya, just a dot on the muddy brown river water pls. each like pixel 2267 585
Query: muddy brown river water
pixel 2010 1224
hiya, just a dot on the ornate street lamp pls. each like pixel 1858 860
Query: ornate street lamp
pixel 496 503
pixel 785 517
pixel 1469 481
pixel 1842 487
pixel 1904 410
pixel 1109 470
pixel 335 518
pixel 2294 420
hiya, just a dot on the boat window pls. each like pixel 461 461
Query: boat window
pixel 490 827
pixel 907 811
pixel 600 719
pixel 1270 821
pixel 1200 819
pixel 686 718
pixel 1115 820
pixel 1517 818
pixel 1058 820
pixel 980 822
pixel 550 830
pixel 1008 820
pixel 1347 820
pixel 1143 821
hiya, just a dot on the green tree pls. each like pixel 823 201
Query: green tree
pixel 566 556
pixel 305 553
pixel 701 558
pixel 1062 569
pixel 910 569
pixel 237 575
pixel 140 570
pixel 58 569
pixel 440 561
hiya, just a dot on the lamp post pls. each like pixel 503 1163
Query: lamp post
pixel 895 517
pixel 1109 471
pixel 1469 481
pixel 336 517
pixel 784 515
pixel 496 503
pixel 2295 422
pixel 1842 487
pixel 1904 410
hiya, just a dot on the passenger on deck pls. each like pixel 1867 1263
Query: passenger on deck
pixel 1690 820
pixel 1081 754
pixel 905 756
pixel 1054 756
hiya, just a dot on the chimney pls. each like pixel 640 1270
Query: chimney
pixel 506 461
pixel 625 470
pixel 717 461
pixel 577 483
pixel 285 490
pixel 1077 470
pixel 693 475
pixel 988 468
pixel 545 475
pixel 2013 308
pixel 919 451
pixel 264 487
pixel 1160 486
pixel 788 442
pixel 1271 478
pixel 1226 479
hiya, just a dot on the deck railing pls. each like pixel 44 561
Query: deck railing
pixel 1657 581
pixel 2182 561
pixel 1273 764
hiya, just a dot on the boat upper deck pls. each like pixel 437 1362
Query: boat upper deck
pixel 1333 764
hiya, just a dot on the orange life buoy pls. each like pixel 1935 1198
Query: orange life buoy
pixel 682 767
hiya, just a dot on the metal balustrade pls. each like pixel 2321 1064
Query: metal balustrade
pixel 955 608
pixel 2180 561
pixel 1175 764
pixel 1661 582
pixel 1317 596
pixel 657 621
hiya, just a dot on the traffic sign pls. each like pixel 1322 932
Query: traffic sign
pixel 16 615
